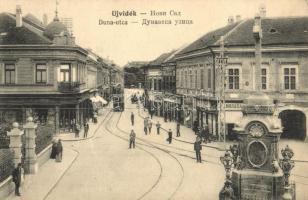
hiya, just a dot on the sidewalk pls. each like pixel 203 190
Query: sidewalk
pixel 37 186
pixel 92 128
pixel 187 134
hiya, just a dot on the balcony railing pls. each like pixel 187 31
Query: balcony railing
pixel 69 87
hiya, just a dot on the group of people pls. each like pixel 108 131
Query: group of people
pixel 78 129
pixel 56 151
pixel 202 132
pixel 147 124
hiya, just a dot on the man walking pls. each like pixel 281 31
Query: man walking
pixel 132 118
pixel 169 139
pixel 145 123
pixel 158 127
pixel 86 129
pixel 132 138
pixel 17 178
pixel 150 126
pixel 178 134
pixel 198 148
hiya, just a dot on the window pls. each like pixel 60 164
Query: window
pixel 289 78
pixel 182 78
pixel 65 73
pixel 186 81
pixel 196 79
pixel 263 79
pixel 41 73
pixel 190 79
pixel 9 74
pixel 209 78
pixel 233 78
pixel 202 78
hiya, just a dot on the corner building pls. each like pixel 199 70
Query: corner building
pixel 43 73
pixel 284 72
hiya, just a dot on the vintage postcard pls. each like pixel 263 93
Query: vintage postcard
pixel 153 100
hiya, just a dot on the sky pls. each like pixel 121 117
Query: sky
pixel 137 42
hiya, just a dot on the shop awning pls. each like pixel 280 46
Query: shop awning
pixel 98 98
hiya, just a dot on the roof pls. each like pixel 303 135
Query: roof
pixel 208 39
pixel 160 59
pixel 12 35
pixel 275 31
pixel 55 28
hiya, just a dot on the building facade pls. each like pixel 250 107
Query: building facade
pixel 44 74
pixel 284 72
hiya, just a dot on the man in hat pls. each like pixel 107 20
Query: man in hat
pixel 17 178
pixel 198 148
pixel 178 134
pixel 132 138
pixel 158 127
pixel 132 118
pixel 169 139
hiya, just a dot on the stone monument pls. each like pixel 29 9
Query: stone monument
pixel 257 172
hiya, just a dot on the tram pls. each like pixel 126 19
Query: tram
pixel 118 98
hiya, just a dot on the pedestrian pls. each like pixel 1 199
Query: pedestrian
pixel 170 116
pixel 95 118
pixel 152 112
pixel 195 127
pixel 198 148
pixel 132 118
pixel 77 130
pixel 132 138
pixel 203 134
pixel 59 151
pixel 86 129
pixel 53 150
pixel 165 116
pixel 207 134
pixel 150 126
pixel 178 134
pixel 169 139
pixel 145 122
pixel 17 178
pixel 158 127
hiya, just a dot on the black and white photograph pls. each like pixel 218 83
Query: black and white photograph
pixel 153 99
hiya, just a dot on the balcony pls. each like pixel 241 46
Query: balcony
pixel 69 87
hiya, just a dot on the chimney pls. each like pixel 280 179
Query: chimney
pixel 262 11
pixel 18 16
pixel 230 20
pixel 257 34
pixel 45 19
pixel 238 18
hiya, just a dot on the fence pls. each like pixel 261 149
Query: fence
pixel 44 136
pixel 6 163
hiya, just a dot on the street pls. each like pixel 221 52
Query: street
pixel 105 168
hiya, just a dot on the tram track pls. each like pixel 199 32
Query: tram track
pixel 151 154
pixel 146 144
pixel 76 157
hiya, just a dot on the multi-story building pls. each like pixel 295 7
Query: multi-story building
pixel 43 73
pixel 284 72
pixel 154 83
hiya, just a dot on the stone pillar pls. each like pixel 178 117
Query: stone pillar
pixel 214 117
pixel 77 113
pixel 57 119
pixel 31 166
pixel 16 143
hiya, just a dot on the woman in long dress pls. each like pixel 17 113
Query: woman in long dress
pixel 53 150
pixel 59 151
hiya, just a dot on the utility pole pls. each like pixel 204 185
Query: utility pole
pixel 221 71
